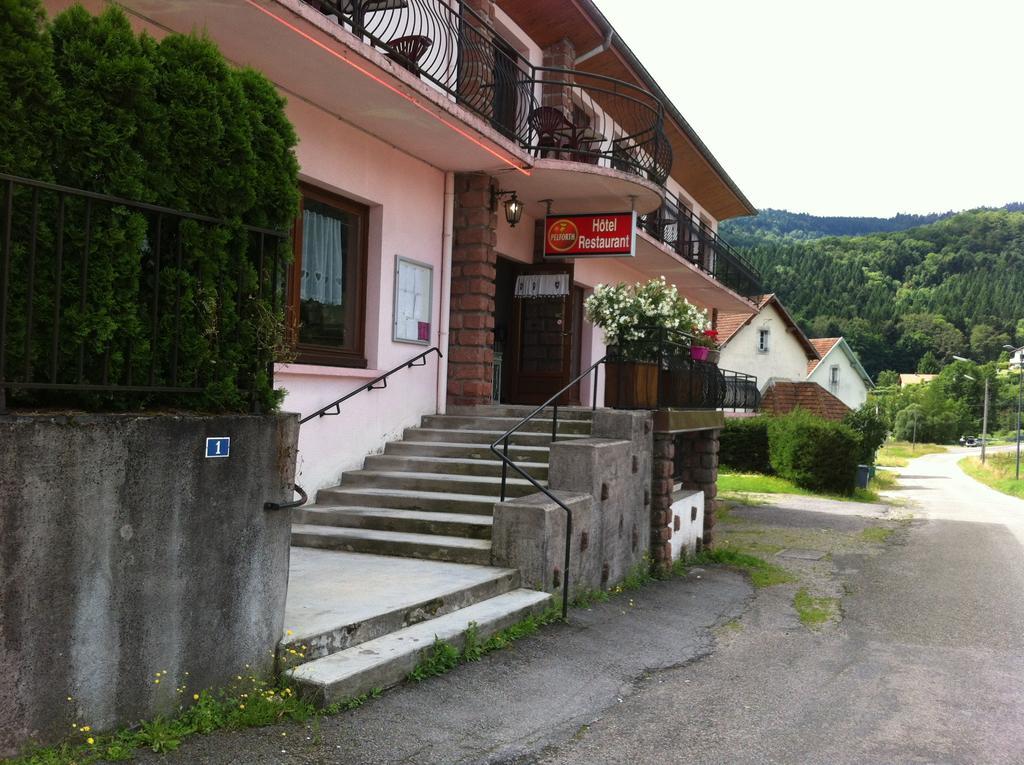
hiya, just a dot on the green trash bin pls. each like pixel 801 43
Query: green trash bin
pixel 863 476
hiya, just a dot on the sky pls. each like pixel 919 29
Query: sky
pixel 846 108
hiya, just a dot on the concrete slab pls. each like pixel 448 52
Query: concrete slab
pixel 797 553
pixel 328 589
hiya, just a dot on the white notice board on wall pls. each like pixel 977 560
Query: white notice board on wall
pixel 413 291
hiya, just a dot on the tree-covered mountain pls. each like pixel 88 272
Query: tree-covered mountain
pixel 906 300
pixel 806 226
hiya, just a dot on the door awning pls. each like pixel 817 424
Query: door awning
pixel 542 285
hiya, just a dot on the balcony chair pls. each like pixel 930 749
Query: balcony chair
pixel 553 130
pixel 407 51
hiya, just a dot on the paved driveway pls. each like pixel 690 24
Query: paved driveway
pixel 926 666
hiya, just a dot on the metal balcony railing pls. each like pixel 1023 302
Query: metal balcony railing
pixel 553 113
pixel 681 229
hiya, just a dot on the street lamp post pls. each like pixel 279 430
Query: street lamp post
pixel 984 415
pixel 1020 390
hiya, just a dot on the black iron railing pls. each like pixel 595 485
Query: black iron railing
pixel 377 383
pixel 334 408
pixel 680 228
pixel 101 294
pixel 502 441
pixel 683 381
pixel 553 113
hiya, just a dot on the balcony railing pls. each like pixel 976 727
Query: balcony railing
pixel 552 113
pixel 681 229
pixel 662 373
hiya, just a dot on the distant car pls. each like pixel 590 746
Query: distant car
pixel 971 441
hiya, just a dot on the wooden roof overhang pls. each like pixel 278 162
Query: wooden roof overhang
pixel 580 21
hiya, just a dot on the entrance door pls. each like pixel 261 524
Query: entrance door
pixel 544 342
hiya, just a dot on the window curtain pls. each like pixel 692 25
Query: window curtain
pixel 323 258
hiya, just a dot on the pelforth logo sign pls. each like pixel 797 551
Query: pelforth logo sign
pixel 601 235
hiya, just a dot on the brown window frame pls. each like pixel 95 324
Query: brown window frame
pixel 325 355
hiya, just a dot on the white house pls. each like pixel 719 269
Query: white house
pixel 839 371
pixel 1017 358
pixel 768 344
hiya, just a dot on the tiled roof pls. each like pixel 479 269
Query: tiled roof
pixel 731 323
pixel 822 345
pixel 783 396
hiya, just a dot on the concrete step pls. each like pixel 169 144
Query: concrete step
pixel 388 660
pixel 502 424
pixel 478 451
pixel 521 410
pixel 323 628
pixel 486 437
pixel 401 499
pixel 426 546
pixel 388 519
pixel 451 466
pixel 455 484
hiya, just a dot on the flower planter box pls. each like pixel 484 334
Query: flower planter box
pixel 631 385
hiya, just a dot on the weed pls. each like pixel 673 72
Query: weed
pixel 814 611
pixel 587 598
pixel 441 658
pixel 762 573
pixel 347 705
pixel 161 735
pixel 876 534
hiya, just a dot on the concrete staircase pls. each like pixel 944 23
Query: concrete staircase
pixel 350 639
pixel 432 494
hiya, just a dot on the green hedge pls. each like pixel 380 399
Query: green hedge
pixel 814 453
pixel 92 105
pixel 744 445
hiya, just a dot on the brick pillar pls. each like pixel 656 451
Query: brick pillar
pixel 559 55
pixel 698 457
pixel 474 258
pixel 661 501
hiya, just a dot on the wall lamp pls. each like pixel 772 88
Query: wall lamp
pixel 513 207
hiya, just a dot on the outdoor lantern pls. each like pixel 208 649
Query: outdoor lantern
pixel 513 210
pixel 513 207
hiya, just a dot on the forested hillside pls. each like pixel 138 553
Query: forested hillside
pixel 907 300
pixel 805 226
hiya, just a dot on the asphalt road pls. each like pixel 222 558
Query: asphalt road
pixel 926 666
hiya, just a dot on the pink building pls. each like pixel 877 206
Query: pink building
pixel 415 117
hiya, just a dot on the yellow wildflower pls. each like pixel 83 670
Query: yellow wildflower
pixel 195 697
pixel 86 729
pixel 90 741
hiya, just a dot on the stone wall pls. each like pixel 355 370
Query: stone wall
pixel 697 466
pixel 127 557
pixel 605 480
pixel 474 260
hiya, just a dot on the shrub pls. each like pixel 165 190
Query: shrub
pixel 744 445
pixel 814 453
pixel 168 123
pixel 872 430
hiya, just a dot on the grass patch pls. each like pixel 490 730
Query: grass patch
pixel 250 703
pixel 997 473
pixel 899 453
pixel 443 657
pixel 737 487
pixel 762 573
pixel 876 534
pixel 814 611
pixel 884 480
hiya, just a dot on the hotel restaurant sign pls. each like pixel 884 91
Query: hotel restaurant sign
pixel 599 235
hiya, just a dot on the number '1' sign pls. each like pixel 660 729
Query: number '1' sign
pixel 598 235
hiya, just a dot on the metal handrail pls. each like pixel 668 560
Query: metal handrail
pixel 506 463
pixel 416 361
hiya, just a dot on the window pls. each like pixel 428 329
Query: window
pixel 762 340
pixel 833 377
pixel 327 288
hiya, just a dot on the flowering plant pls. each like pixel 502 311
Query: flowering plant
pixel 706 339
pixel 632 315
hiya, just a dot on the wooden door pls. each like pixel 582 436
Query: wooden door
pixel 544 342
